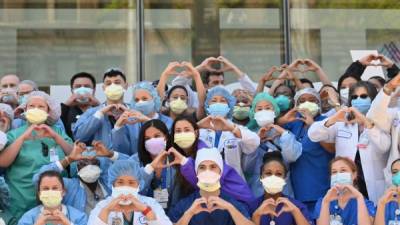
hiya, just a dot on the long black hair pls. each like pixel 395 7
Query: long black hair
pixel 371 90
pixel 191 120
pixel 144 155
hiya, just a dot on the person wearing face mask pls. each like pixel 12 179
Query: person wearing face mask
pixel 97 123
pixel 209 205
pixel 145 106
pixel 25 87
pixel 31 146
pixel 274 207
pixel 263 112
pixel 217 130
pixel 126 205
pixel 330 100
pixel 242 108
pixel 83 87
pixel 5 215
pixel 8 90
pixel 309 180
pixel 355 136
pixel 6 118
pixel 50 193
pixel 343 202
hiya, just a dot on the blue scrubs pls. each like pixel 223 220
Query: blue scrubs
pixel 286 217
pixel 348 214
pixel 310 172
pixel 390 212
pixel 220 217
pixel 74 216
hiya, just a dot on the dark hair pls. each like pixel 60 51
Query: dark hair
pixel 174 88
pixel 345 76
pixel 49 173
pixel 83 75
pixel 113 73
pixel 191 120
pixel 395 161
pixel 379 79
pixel 328 85
pixel 371 90
pixel 292 90
pixel 350 163
pixel 144 155
pixel 274 156
pixel 305 80
pixel 208 74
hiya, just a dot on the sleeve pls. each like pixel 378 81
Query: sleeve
pixel 11 136
pixel 162 219
pixel 188 172
pixel 81 219
pixel 319 132
pixel 291 148
pixel 249 161
pixel 392 71
pixel 27 219
pixel 371 208
pixel 380 105
pixel 247 84
pixel 60 125
pixel 317 209
pixel 121 140
pixel 380 139
pixel 94 215
pixel 176 212
pixel 87 125
pixel 356 69
pixel 249 141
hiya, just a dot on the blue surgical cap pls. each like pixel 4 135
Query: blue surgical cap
pixel 124 168
pixel 4 194
pixel 145 85
pixel 220 91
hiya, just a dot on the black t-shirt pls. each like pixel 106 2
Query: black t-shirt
pixel 69 116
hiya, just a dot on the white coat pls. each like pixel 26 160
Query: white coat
pixel 373 157
pixel 388 119
pixel 231 146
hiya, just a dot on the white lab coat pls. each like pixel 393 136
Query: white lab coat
pixel 232 146
pixel 373 157
pixel 388 119
pixel 138 218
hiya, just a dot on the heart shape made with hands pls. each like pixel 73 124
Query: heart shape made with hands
pixel 375 60
pixel 180 69
pixel 262 133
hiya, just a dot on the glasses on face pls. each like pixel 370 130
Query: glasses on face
pixel 363 96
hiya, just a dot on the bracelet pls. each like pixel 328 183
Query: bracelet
pixel 146 211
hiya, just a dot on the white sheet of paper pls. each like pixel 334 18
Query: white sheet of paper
pixel 370 71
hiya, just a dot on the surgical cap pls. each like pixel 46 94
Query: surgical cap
pixel 124 168
pixel 145 85
pixel 31 83
pixel 310 91
pixel 263 96
pixel 4 194
pixel 7 110
pixel 209 154
pixel 220 91
pixel 54 106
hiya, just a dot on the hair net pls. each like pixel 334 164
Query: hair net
pixel 211 154
pixel 54 106
pixel 7 110
pixel 145 85
pixel 31 83
pixel 263 96
pixel 124 168
pixel 310 91
pixel 220 91
pixel 4 194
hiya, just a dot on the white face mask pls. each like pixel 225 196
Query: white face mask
pixel 273 184
pixel 264 117
pixel 90 173
pixel 124 190
pixel 344 93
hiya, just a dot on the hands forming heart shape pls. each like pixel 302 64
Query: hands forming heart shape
pixel 184 68
pixel 216 123
pixel 167 158
pixel 37 131
pixel 271 207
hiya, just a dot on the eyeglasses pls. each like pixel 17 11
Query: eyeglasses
pixel 363 96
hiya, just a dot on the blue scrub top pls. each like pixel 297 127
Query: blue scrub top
pixel 390 212
pixel 220 217
pixel 286 217
pixel 349 213
pixel 310 173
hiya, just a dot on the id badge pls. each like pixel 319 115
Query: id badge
pixel 335 220
pixel 116 221
pixel 53 155
pixel 394 222
pixel 161 196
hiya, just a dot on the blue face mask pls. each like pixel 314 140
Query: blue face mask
pixel 22 99
pixel 283 102
pixel 396 179
pixel 218 109
pixel 145 107
pixel 361 104
pixel 341 179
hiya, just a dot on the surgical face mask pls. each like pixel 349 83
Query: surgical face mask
pixel 185 139
pixel 9 96
pixel 50 198
pixel 312 107
pixel 396 179
pixel 124 190
pixel 90 173
pixel 283 102
pixel 114 92
pixel 178 106
pixel 218 109
pixel 264 117
pixel 341 179
pixel 145 107
pixel 155 145
pixel 22 99
pixel 273 184
pixel 361 104
pixel 344 93
pixel 241 112
pixel 36 116
pixel 209 181
pixel 82 92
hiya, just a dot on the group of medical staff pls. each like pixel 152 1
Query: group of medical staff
pixel 185 150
